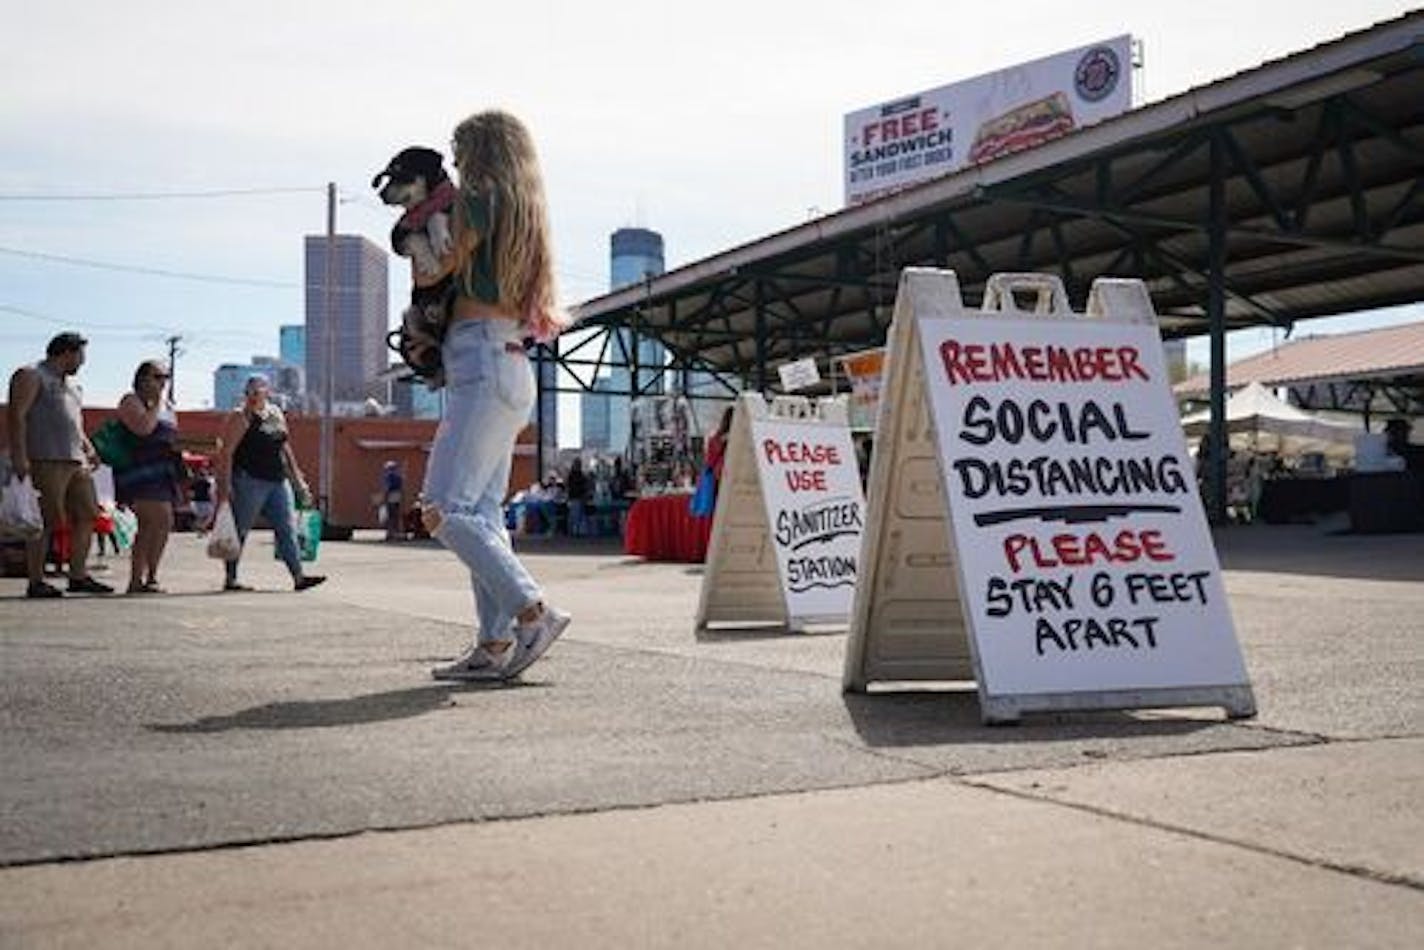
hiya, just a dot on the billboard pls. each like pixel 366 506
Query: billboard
pixel 897 144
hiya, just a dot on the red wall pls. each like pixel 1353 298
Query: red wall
pixel 361 446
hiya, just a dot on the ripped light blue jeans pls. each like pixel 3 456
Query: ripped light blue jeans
pixel 489 395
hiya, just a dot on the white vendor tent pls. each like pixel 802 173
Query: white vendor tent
pixel 1257 419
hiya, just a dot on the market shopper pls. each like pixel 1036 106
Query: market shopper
pixel 578 488
pixel 253 466
pixel 48 445
pixel 148 484
pixel 503 269
pixel 717 445
pixel 392 500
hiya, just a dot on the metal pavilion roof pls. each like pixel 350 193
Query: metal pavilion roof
pixel 1301 179
pixel 1340 371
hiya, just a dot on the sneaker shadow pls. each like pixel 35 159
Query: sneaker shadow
pixel 326 713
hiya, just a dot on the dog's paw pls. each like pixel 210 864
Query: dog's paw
pixel 417 248
pixel 438 230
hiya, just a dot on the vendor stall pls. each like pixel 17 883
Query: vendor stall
pixel 662 528
pixel 1257 421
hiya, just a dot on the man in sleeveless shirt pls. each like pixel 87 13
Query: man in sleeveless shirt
pixel 47 443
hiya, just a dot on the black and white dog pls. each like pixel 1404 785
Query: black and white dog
pixel 415 180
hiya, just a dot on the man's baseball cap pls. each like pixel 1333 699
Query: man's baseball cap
pixel 66 342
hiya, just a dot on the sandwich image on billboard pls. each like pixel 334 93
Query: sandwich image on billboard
pixel 1030 124
pixel 915 138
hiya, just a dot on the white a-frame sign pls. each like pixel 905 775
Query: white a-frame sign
pixel 1033 521
pixel 790 511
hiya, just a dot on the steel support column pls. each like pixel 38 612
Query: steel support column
pixel 761 330
pixel 634 384
pixel 539 396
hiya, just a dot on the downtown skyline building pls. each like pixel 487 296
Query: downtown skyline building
pixel 292 344
pixel 283 378
pixel 360 317
pixel 635 255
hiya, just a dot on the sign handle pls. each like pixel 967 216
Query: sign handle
pixel 1001 294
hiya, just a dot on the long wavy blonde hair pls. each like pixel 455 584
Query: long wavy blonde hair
pixel 495 155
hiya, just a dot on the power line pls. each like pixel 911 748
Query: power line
pixel 164 195
pixel 151 330
pixel 62 322
pixel 150 271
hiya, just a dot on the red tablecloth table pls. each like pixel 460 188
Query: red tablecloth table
pixel 660 528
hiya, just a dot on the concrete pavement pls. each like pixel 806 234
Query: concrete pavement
pixel 275 768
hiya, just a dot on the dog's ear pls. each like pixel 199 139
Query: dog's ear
pixel 392 170
pixel 403 167
pixel 428 163
pixel 382 175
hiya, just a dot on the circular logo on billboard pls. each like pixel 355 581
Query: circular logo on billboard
pixel 1097 73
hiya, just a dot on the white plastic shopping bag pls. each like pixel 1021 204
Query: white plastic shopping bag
pixel 223 543
pixel 20 510
pixel 125 527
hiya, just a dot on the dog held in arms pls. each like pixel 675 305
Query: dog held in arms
pixel 415 180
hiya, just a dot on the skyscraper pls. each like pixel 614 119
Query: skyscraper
pixel 596 419
pixel 284 379
pixel 292 355
pixel 360 317
pixel 637 254
pixel 292 346
pixel 229 379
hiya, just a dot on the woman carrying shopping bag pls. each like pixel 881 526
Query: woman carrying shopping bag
pixel 252 470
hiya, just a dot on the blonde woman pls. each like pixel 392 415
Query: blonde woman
pixel 503 271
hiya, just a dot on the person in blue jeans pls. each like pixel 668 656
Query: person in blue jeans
pixel 252 471
pixel 502 266
pixel 392 486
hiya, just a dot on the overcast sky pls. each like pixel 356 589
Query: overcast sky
pixel 714 124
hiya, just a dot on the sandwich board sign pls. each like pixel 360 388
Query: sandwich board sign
pixel 1033 521
pixel 786 531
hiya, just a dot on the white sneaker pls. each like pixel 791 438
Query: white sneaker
pixel 477 664
pixel 533 640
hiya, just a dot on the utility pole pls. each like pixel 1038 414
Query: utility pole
pixel 173 352
pixel 328 422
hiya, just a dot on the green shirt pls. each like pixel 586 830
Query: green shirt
pixel 479 282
